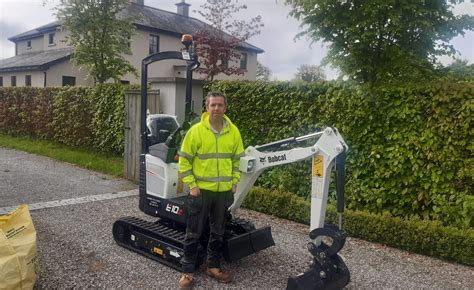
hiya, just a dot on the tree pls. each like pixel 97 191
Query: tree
pixel 263 72
pixel 458 70
pixel 310 73
pixel 371 41
pixel 99 36
pixel 216 44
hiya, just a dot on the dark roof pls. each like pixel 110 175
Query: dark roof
pixel 39 31
pixel 149 18
pixel 35 60
pixel 166 21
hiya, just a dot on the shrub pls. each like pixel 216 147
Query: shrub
pixel 26 111
pixel 90 117
pixel 108 118
pixel 410 148
pixel 424 237
pixel 72 116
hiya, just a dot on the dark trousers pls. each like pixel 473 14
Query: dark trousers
pixel 210 206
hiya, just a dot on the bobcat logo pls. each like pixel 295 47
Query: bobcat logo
pixel 275 158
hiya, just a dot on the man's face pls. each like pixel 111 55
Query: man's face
pixel 216 108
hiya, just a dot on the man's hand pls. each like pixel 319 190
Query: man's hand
pixel 195 192
pixel 234 188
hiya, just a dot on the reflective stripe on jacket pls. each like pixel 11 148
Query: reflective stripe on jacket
pixel 210 160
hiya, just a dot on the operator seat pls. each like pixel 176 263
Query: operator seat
pixel 159 127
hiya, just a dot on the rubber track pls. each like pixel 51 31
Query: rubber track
pixel 156 230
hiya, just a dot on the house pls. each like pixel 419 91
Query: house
pixel 43 59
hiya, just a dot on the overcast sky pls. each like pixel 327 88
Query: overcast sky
pixel 283 55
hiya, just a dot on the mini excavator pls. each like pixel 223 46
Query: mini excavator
pixel 163 195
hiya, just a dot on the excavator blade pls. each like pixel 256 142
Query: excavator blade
pixel 246 244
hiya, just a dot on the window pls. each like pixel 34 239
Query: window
pixel 154 46
pixel 28 80
pixel 69 81
pixel 13 81
pixel 225 63
pixel 28 44
pixel 51 39
pixel 243 61
pixel 1 81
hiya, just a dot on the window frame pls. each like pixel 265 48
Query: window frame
pixel 225 63
pixel 244 60
pixel 156 45
pixel 28 44
pixel 65 80
pixel 52 39
pixel 27 80
pixel 13 81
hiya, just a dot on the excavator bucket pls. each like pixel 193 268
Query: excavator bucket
pixel 316 277
pixel 328 270
pixel 246 244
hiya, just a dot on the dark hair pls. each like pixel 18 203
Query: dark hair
pixel 215 94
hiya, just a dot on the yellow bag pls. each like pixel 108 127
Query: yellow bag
pixel 17 250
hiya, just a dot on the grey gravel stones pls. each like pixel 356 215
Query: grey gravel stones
pixel 76 248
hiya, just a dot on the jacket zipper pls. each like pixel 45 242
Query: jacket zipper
pixel 217 158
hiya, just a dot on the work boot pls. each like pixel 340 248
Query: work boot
pixel 186 281
pixel 219 275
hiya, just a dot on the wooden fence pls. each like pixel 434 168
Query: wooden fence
pixel 132 129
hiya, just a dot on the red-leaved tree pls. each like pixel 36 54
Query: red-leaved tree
pixel 217 44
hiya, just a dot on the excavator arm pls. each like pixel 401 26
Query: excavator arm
pixel 328 146
pixel 328 270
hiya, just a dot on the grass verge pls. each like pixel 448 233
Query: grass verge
pixel 81 157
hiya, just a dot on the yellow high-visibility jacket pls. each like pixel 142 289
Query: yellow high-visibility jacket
pixel 211 160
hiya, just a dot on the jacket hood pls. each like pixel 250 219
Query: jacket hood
pixel 206 123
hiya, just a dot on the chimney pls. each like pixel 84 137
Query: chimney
pixel 183 8
pixel 139 2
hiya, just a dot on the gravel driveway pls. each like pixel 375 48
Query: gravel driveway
pixel 76 248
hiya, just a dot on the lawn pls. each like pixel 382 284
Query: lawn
pixel 101 162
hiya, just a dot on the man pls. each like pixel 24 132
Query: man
pixel 209 164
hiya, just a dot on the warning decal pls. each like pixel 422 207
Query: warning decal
pixel 158 251
pixel 318 168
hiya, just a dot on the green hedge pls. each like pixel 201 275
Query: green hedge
pixel 424 237
pixel 90 117
pixel 27 111
pixel 410 148
pixel 109 117
pixel 72 116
